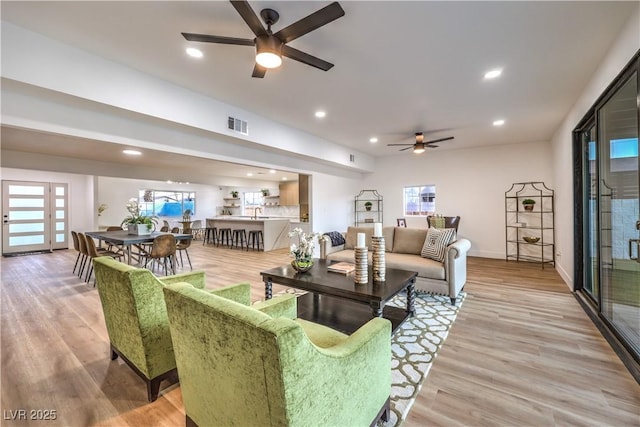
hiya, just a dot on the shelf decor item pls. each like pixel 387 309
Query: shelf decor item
pixel 234 194
pixel 368 205
pixel 530 239
pixel 302 252
pixel 528 204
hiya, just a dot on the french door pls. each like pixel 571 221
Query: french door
pixel 34 216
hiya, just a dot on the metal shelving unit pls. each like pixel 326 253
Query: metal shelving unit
pixel 364 216
pixel 537 222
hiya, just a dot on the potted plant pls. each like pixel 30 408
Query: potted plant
pixel 136 222
pixel 368 205
pixel 234 194
pixel 528 204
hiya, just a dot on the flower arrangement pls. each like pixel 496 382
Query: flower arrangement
pixel 103 207
pixel 302 252
pixel 135 217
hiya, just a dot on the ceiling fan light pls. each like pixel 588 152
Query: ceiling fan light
pixel 418 148
pixel 268 50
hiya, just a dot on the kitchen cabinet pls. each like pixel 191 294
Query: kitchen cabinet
pixel 289 194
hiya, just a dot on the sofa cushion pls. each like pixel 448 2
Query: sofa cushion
pixel 387 233
pixel 425 267
pixel 435 243
pixel 352 236
pixel 408 240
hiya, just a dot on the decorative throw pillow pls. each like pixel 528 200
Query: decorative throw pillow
pixel 435 244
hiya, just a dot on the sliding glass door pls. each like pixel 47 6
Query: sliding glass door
pixel 619 211
pixel 608 213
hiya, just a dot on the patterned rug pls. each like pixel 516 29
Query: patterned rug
pixel 414 346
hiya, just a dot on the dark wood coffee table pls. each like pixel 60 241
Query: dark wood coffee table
pixel 335 300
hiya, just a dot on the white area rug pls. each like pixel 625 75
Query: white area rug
pixel 414 346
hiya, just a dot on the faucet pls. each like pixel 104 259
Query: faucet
pixel 255 212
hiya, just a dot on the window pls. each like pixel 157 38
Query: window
pixel 167 203
pixel 252 200
pixel 419 200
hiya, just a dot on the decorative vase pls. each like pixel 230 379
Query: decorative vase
pixel 138 229
pixel 301 266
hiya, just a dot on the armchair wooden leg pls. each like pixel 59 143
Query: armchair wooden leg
pixel 114 355
pixel 383 414
pixel 153 388
pixel 190 422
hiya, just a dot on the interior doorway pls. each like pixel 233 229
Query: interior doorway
pixel 35 216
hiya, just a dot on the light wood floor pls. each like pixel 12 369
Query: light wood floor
pixel 522 351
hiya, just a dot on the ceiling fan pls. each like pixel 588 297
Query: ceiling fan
pixel 271 47
pixel 420 144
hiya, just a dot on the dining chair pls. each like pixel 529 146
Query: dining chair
pixel 163 249
pixel 76 246
pixel 93 252
pixel 175 230
pixel 182 246
pixel 449 221
pixel 196 228
pixel 164 229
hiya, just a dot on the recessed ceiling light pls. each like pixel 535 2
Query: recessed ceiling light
pixel 320 114
pixel 132 152
pixel 498 122
pixel 492 74
pixel 373 140
pixel 249 174
pixel 272 171
pixel 194 53
pixel 284 178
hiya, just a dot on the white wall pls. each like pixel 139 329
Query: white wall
pixel 470 183
pixel 620 52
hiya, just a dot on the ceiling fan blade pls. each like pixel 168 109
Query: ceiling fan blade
pixel 250 17
pixel 217 39
pixel 306 25
pixel 402 149
pixel 258 71
pixel 431 146
pixel 397 144
pixel 305 58
pixel 439 140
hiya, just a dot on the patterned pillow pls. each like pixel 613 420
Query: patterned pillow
pixel 436 243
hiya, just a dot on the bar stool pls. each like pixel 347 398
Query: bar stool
pixel 240 236
pixel 255 238
pixel 224 234
pixel 210 233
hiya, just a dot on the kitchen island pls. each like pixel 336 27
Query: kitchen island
pixel 275 231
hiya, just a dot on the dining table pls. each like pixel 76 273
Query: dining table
pixel 123 239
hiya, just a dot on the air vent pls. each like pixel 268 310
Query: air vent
pixel 238 125
pixel 352 158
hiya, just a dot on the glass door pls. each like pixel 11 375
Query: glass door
pixel 34 216
pixel 590 211
pixel 619 183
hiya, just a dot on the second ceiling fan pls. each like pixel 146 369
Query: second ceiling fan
pixel 271 47
pixel 420 145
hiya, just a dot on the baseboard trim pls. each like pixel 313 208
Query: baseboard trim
pixel 623 353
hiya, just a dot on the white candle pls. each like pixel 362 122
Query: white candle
pixel 377 229
pixel 360 240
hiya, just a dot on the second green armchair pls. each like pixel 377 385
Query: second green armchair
pixel 255 365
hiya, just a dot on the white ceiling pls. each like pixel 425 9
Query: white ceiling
pixel 400 67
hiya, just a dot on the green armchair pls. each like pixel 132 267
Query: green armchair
pixel 136 318
pixel 255 365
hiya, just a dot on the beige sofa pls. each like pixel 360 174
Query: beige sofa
pixel 403 251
